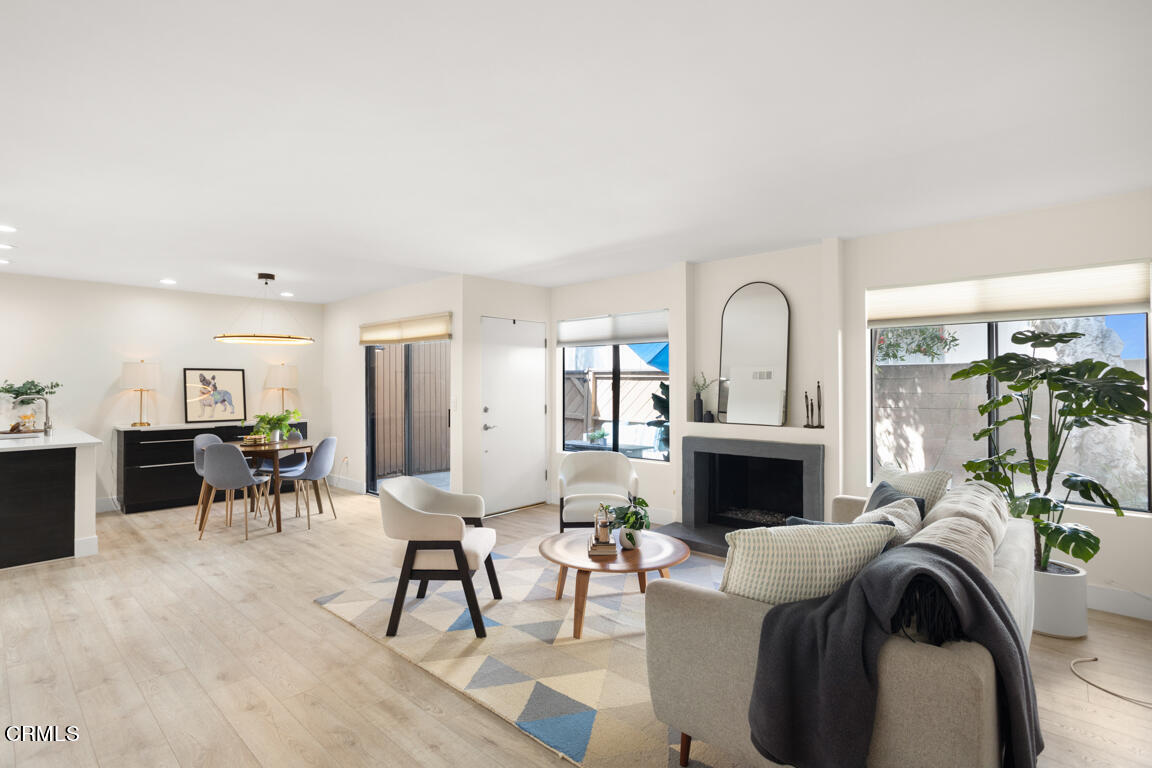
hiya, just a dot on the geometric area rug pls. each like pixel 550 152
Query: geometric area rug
pixel 586 699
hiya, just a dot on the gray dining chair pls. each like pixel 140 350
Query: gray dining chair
pixel 316 471
pixel 290 461
pixel 199 443
pixel 226 469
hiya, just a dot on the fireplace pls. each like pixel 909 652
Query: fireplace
pixel 730 484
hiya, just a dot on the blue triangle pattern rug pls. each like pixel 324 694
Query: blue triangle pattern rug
pixel 586 699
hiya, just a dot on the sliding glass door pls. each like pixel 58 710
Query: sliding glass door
pixel 408 403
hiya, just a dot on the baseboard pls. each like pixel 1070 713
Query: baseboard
pixel 347 483
pixel 107 504
pixel 1121 601
pixel 86 547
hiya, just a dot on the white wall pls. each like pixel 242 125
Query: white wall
pixel 79 334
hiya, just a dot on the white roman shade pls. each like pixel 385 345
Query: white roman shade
pixel 1066 293
pixel 408 329
pixel 631 328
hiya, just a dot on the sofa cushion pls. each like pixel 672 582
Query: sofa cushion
pixel 805 521
pixel 884 494
pixel 903 514
pixel 979 501
pixel 964 536
pixel 797 562
pixel 929 486
pixel 582 507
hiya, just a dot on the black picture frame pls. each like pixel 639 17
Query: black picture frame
pixel 197 380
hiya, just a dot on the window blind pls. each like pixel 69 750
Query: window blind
pixel 408 329
pixel 1071 292
pixel 631 328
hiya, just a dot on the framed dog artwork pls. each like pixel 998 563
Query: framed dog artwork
pixel 214 394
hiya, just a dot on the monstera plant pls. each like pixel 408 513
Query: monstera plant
pixel 1072 396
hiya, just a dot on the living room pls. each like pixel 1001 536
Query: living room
pixel 429 358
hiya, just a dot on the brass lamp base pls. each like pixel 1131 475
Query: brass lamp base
pixel 141 423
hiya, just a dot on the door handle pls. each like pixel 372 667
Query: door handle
pixel 489 426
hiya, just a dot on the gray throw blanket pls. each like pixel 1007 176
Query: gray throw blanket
pixel 814 698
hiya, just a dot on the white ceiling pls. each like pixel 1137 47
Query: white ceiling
pixel 350 146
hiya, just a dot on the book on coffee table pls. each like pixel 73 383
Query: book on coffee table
pixel 601 548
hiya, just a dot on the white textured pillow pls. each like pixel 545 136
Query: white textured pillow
pixel 979 501
pixel 903 514
pixel 964 536
pixel 929 486
pixel 797 562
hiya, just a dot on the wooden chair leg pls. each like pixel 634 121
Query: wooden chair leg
pixel 319 502
pixel 296 490
pixel 328 491
pixel 231 496
pixel 492 580
pixel 469 592
pixel 309 508
pixel 248 506
pixel 423 589
pixel 211 496
pixel 200 501
pixel 685 748
pixel 401 590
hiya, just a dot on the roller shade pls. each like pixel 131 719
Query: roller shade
pixel 1072 292
pixel 631 328
pixel 408 329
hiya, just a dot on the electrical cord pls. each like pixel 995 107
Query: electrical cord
pixel 1072 666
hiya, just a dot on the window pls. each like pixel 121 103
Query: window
pixel 924 420
pixel 608 399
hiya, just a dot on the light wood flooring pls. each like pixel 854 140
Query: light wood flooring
pixel 166 651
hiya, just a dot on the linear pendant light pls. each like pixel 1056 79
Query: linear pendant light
pixel 261 337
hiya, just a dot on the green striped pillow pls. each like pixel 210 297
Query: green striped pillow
pixel 788 563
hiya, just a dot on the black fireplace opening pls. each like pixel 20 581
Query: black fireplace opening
pixel 754 491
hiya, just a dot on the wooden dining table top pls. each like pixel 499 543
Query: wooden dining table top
pixel 282 445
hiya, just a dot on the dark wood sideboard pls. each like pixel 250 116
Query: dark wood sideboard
pixel 154 465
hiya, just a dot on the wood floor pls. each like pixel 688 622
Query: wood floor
pixel 166 651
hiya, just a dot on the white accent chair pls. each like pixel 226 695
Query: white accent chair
pixel 440 546
pixel 591 478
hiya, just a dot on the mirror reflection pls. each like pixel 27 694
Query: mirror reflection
pixel 753 386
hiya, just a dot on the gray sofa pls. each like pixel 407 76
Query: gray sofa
pixel 936 705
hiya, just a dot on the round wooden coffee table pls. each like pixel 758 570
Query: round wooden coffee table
pixel 656 552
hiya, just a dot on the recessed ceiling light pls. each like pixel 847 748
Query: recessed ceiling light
pixel 6 228
pixel 287 294
pixel 167 281
pixel 6 247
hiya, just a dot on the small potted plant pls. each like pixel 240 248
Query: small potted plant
pixel 30 388
pixel 701 384
pixel 597 437
pixel 274 425
pixel 630 519
pixel 1063 397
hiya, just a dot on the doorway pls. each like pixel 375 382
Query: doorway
pixel 409 417
pixel 513 394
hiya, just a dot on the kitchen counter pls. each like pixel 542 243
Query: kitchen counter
pixel 48 506
pixel 60 438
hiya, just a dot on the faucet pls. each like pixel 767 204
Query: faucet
pixel 47 417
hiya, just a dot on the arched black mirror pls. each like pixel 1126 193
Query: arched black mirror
pixel 753 387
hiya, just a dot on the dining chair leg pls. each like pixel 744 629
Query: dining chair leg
pixel 200 500
pixel 296 490
pixel 248 508
pixel 319 502
pixel 309 511
pixel 228 511
pixel 328 490
pixel 207 508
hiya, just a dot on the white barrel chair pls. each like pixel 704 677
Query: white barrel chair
pixel 591 478
pixel 440 543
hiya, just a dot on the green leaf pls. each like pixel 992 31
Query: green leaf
pixel 993 404
pixel 1071 538
pixel 1090 489
pixel 1038 339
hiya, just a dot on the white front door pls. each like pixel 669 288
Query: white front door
pixel 512 391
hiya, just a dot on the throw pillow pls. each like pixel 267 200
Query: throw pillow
pixel 980 501
pixel 884 494
pixel 903 514
pixel 964 536
pixel 929 486
pixel 787 563
pixel 805 521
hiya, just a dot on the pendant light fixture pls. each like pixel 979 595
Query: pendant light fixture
pixel 262 337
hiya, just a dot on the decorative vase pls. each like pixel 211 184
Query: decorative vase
pixel 625 543
pixel 1061 601
pixel 275 436
pixel 698 408
pixel 709 417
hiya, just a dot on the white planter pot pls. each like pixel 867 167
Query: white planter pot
pixel 1061 603
pixel 624 543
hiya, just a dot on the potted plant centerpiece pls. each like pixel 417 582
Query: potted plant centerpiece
pixel 596 437
pixel 630 519
pixel 274 425
pixel 1063 397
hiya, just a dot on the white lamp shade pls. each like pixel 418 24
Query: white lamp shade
pixel 280 377
pixel 140 375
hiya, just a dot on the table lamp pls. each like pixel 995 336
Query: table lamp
pixel 281 377
pixel 140 377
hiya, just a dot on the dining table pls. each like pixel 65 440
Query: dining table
pixel 270 450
